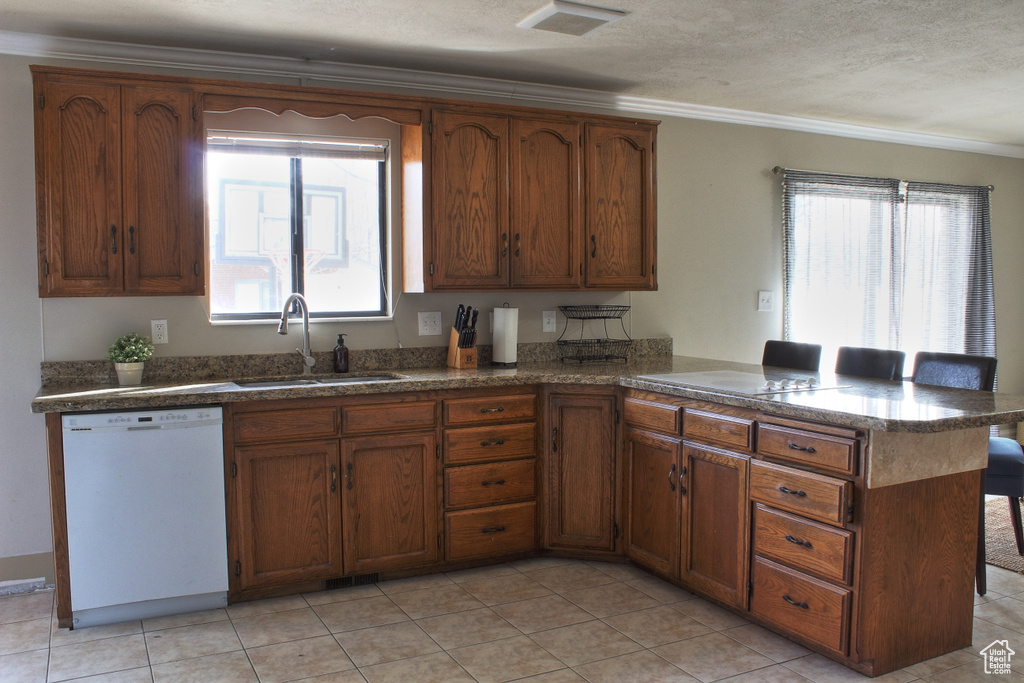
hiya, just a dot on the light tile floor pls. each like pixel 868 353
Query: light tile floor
pixel 545 620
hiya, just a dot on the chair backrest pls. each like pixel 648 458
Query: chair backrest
pixel 957 370
pixel 787 354
pixel 874 363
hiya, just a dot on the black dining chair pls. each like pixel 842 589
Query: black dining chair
pixel 795 355
pixel 1004 475
pixel 860 361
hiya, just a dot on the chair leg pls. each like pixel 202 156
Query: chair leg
pixel 1018 532
pixel 980 578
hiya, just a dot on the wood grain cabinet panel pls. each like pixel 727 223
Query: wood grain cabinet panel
pixel 480 410
pixel 652 480
pixel 389 511
pixel 470 201
pixel 811 547
pixel 807 448
pixel 491 531
pixel 493 442
pixel 620 207
pixel 119 187
pixel 581 471
pixel 490 483
pixel 802 605
pixel 716 523
pixel 813 495
pixel 728 431
pixel 547 204
pixel 664 418
pixel 288 504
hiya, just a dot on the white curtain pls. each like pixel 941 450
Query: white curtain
pixel 887 264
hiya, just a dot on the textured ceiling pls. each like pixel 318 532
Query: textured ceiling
pixel 940 67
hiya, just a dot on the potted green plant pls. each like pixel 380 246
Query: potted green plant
pixel 129 355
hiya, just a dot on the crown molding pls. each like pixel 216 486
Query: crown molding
pixel 53 47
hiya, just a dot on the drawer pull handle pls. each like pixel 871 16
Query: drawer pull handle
pixel 797 541
pixel 499 482
pixel 791 492
pixel 499 442
pixel 334 478
pixel 348 476
pixel 499 409
pixel 801 605
pixel 672 478
pixel 805 449
pixel 492 530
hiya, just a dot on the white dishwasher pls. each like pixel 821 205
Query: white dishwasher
pixel 145 512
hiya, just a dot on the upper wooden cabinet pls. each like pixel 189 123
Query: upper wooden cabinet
pixel 620 191
pixel 517 203
pixel 119 187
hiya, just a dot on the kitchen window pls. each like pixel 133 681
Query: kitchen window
pixel 297 213
pixel 885 263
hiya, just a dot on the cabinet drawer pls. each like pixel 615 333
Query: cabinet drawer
pixel 824 451
pixel 489 409
pixel 801 604
pixel 491 531
pixel 805 493
pixel 489 484
pixel 278 425
pixel 383 417
pixel 481 444
pixel 821 550
pixel 721 430
pixel 659 417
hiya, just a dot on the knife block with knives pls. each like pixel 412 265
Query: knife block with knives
pixel 462 340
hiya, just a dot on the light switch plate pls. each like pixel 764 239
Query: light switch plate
pixel 549 321
pixel 765 301
pixel 430 323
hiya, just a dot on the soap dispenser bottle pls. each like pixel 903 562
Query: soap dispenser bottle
pixel 341 355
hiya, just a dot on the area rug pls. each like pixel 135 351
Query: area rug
pixel 1000 547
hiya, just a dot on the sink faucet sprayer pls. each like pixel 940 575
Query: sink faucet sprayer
pixel 307 358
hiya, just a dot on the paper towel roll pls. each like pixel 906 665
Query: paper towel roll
pixel 506 336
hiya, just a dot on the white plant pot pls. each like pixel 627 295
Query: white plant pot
pixel 129 373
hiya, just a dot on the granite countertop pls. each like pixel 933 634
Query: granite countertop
pixel 841 400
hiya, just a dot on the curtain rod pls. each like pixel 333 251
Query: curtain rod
pixel 779 170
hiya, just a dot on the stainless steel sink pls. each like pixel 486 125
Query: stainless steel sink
pixel 287 382
pixel 274 383
pixel 357 379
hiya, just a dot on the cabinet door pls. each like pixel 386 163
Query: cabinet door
pixel 620 210
pixel 581 472
pixel 715 523
pixel 390 502
pixel 78 167
pixel 653 479
pixel 287 516
pixel 163 191
pixel 470 201
pixel 546 207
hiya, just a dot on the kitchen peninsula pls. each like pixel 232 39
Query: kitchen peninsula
pixel 843 516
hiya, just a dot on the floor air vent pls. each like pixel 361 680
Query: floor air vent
pixel 346 581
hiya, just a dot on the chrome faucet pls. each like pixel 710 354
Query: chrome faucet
pixel 307 357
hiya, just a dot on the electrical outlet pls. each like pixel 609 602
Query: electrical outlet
pixel 765 301
pixel 549 321
pixel 430 323
pixel 159 331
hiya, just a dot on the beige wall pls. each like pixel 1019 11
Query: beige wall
pixel 719 243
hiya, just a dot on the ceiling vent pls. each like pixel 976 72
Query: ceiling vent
pixel 570 18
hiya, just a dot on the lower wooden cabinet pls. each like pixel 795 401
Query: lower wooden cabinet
pixel 389 503
pixel 287 513
pixel 582 470
pixel 715 523
pixel 651 473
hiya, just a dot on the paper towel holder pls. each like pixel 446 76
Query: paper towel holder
pixel 506 336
